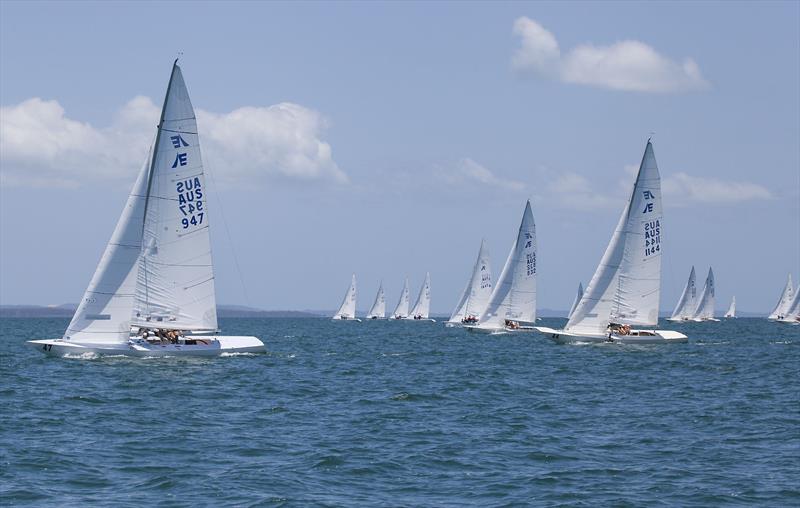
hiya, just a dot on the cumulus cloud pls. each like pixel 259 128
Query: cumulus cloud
pixel 627 65
pixel 468 172
pixel 41 145
pixel 682 188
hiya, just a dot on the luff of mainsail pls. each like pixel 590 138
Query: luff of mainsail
pixel 422 307
pixel 104 314
pixel 784 302
pixel 175 283
pixel 514 293
pixel 401 310
pixel 732 309
pixel 347 309
pixel 578 297
pixel 476 294
pixel 378 309
pixel 705 304
pixel 626 286
pixel 687 303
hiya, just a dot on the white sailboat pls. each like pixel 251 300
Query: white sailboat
pixel 422 308
pixel 784 302
pixel 476 294
pixel 687 303
pixel 152 293
pixel 578 297
pixel 347 310
pixel 793 312
pixel 732 309
pixel 401 310
pixel 626 286
pixel 378 309
pixel 513 299
pixel 707 300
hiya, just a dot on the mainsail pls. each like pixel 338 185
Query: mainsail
pixel 626 286
pixel 793 310
pixel 785 301
pixel 687 303
pixel 514 294
pixel 578 297
pixel 347 310
pixel 705 305
pixel 401 311
pixel 175 282
pixel 423 306
pixel 732 309
pixel 378 309
pixel 476 294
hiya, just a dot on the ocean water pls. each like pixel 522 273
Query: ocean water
pixel 407 414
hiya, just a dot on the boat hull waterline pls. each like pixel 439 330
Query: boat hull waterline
pixel 216 346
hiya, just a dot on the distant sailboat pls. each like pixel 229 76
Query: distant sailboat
pixel 793 312
pixel 401 311
pixel 152 293
pixel 578 297
pixel 347 310
pixel 378 310
pixel 732 309
pixel 707 300
pixel 626 286
pixel 784 302
pixel 687 303
pixel 421 310
pixel 476 294
pixel 513 299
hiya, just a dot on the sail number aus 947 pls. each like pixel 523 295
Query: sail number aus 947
pixel 190 202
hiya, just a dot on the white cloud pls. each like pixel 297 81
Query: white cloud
pixel 682 188
pixel 468 172
pixel 569 190
pixel 626 65
pixel 41 145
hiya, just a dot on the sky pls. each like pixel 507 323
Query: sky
pixel 388 139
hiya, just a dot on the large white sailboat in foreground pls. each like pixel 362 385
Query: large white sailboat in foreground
pixel 422 308
pixel 401 310
pixel 347 310
pixel 513 299
pixel 378 309
pixel 784 302
pixel 152 293
pixel 626 286
pixel 687 303
pixel 476 294
pixel 707 300
pixel 731 313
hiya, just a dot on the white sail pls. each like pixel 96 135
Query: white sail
pixel 514 294
pixel 732 309
pixel 705 304
pixel 476 294
pixel 378 309
pixel 175 283
pixel 104 314
pixel 626 286
pixel 347 310
pixel 785 301
pixel 401 311
pixel 422 307
pixel 578 297
pixel 793 310
pixel 687 303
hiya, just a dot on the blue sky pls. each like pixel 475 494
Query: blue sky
pixel 388 139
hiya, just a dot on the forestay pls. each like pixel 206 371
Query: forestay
pixel 785 301
pixel 514 294
pixel 687 303
pixel 175 283
pixel 705 304
pixel 378 309
pixel 476 294
pixel 626 286
pixel 348 307
pixel 423 305
pixel 401 310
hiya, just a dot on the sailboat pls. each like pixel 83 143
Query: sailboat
pixel 401 311
pixel 687 303
pixel 347 310
pixel 784 302
pixel 732 309
pixel 578 297
pixel 421 309
pixel 625 288
pixel 793 312
pixel 707 300
pixel 378 309
pixel 513 299
pixel 152 293
pixel 476 294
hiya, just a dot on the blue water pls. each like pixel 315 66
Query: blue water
pixel 407 414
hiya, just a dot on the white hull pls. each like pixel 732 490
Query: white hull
pixel 499 331
pixel 216 346
pixel 700 320
pixel 634 337
pixel 357 320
